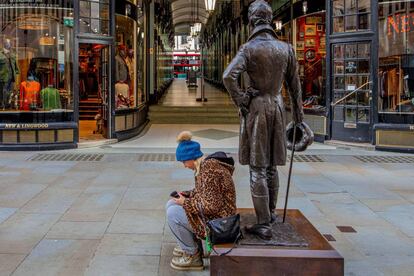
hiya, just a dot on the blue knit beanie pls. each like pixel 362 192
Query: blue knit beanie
pixel 187 149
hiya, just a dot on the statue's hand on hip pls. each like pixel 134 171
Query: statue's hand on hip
pixel 244 110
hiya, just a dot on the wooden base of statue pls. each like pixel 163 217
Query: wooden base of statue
pixel 296 249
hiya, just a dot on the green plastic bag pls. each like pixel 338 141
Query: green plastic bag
pixel 209 246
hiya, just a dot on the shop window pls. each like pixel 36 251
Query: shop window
pixel 126 62
pixel 36 59
pixel 351 82
pixel 129 59
pixel 396 57
pixel 94 17
pixel 310 46
pixel 351 15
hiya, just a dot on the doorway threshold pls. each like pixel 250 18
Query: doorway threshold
pixel 96 143
pixel 350 145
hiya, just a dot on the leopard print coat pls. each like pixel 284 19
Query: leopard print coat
pixel 214 191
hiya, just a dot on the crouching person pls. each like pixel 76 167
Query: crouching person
pixel 214 192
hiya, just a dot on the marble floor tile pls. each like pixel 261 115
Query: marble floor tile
pixel 98 205
pixel 145 198
pixel 58 257
pixel 16 195
pixel 5 213
pixel 137 222
pixel 355 214
pixel 9 262
pixel 125 265
pixel 381 241
pixel 21 232
pixel 52 200
pixel 130 244
pixel 70 230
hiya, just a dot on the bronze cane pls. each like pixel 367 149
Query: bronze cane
pixel 290 172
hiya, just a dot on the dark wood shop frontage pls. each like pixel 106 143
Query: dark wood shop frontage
pixel 71 71
pixel 356 63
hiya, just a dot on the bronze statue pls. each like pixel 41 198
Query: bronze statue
pixel 265 63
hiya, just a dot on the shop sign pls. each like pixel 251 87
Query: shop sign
pixel 32 3
pixel 350 125
pixel 313 19
pixel 400 23
pixel 68 21
pixel 20 126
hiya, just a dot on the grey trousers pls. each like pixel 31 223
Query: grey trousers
pixel 181 228
pixel 264 187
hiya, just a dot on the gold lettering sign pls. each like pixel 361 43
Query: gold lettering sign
pixel 18 126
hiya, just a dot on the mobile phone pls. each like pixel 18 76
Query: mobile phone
pixel 175 194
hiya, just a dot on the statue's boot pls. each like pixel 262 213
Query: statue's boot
pixel 272 178
pixel 260 197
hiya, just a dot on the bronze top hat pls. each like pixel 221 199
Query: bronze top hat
pixel 304 136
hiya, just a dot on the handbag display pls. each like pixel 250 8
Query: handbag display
pixel 221 230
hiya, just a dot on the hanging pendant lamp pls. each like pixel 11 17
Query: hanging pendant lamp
pixel 210 5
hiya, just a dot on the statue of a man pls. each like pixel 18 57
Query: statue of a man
pixel 265 63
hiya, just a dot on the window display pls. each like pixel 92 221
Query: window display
pixel 351 82
pixel 310 46
pixel 129 62
pixel 35 57
pixel 396 57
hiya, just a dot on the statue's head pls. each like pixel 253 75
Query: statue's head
pixel 260 13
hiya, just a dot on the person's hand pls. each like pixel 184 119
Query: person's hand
pixel 180 200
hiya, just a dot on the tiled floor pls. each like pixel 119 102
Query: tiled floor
pixel 107 217
pixel 180 95
pixel 163 136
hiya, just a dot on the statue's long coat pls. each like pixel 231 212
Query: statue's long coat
pixel 268 63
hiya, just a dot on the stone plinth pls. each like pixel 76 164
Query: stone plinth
pixel 313 256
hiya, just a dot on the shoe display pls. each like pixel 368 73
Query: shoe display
pixel 263 231
pixel 178 252
pixel 188 262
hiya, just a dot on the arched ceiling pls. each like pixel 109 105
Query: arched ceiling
pixel 185 11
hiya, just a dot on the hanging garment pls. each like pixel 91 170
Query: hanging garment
pixel 29 95
pixel 8 67
pixel 50 98
pixel 121 69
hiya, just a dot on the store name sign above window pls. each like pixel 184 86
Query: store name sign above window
pixel 32 3
pixel 400 23
pixel 18 126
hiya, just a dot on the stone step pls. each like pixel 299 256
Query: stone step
pixel 193 120
pixel 193 114
pixel 186 109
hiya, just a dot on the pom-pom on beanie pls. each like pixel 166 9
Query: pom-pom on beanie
pixel 187 149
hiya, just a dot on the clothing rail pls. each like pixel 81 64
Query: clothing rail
pixel 350 94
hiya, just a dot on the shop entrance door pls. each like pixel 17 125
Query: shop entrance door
pixel 93 91
pixel 351 92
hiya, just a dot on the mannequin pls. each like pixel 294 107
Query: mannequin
pixel 121 68
pixel 8 73
pixel 29 94
pixel 50 98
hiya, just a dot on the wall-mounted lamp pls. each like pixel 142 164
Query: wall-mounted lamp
pixel 305 7
pixel 278 25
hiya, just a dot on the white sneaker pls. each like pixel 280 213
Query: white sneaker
pixel 188 262
pixel 178 252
